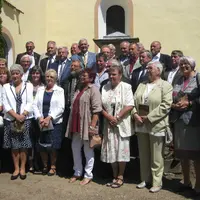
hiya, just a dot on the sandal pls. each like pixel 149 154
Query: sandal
pixel 118 184
pixel 52 173
pixel 109 184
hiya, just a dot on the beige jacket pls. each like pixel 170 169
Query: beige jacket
pixel 90 103
pixel 160 100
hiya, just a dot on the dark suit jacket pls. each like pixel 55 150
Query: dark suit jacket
pixel 91 61
pixel 177 76
pixel 135 81
pixel 36 56
pixel 43 64
pixel 54 66
pixel 166 61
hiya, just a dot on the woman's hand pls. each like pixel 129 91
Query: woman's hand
pixel 41 122
pixel 46 121
pixel 182 104
pixel 112 120
pixel 145 119
pixel 138 119
pixel 20 118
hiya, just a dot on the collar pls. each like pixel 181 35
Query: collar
pixel 85 54
pixel 157 55
pixel 55 87
pixel 30 54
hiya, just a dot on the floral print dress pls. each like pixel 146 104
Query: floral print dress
pixel 115 147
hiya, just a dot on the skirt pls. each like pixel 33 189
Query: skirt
pixel 186 141
pixel 50 140
pixel 17 140
pixel 114 147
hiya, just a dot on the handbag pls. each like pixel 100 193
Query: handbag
pixel 168 136
pixel 17 127
pixel 95 140
pixel 48 128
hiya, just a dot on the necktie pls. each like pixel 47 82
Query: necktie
pixel 85 60
pixel 61 69
pixel 50 62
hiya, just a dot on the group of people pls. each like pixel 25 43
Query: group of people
pixel 141 92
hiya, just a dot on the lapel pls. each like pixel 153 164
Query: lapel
pixel 22 89
pixel 89 57
pixel 136 65
pixel 176 77
pixel 152 92
pixel 66 69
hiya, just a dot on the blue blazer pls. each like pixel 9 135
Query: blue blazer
pixel 91 61
pixel 66 71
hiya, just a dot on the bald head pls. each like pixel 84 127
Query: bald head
pixel 83 45
pixel 124 47
pixel 155 47
pixel 74 49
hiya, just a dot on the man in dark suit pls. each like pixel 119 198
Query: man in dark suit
pixel 174 74
pixel 140 74
pixel 87 59
pixel 29 51
pixel 162 58
pixel 46 62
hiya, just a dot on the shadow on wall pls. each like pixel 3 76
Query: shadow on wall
pixel 13 14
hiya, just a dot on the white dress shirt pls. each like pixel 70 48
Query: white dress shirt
pixel 85 58
pixel 171 75
pixel 52 59
pixel 156 57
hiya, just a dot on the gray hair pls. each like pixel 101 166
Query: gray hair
pixel 112 47
pixel 141 46
pixel 26 56
pixel 51 42
pixel 17 67
pixel 126 42
pixel 115 64
pixel 149 54
pixel 189 60
pixel 63 47
pixel 82 39
pixel 52 71
pixel 156 64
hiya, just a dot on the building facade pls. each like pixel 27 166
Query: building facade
pixel 176 24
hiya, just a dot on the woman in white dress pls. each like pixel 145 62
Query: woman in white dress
pixel 117 99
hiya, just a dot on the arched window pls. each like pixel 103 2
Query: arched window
pixel 115 20
pixel 3 48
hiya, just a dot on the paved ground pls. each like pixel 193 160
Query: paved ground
pixel 38 187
